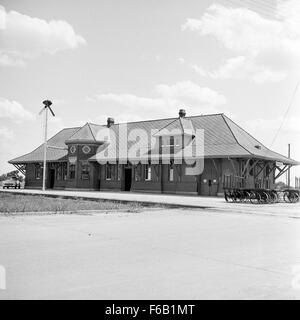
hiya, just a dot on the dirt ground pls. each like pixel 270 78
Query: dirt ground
pixel 157 254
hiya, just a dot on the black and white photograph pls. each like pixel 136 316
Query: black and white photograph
pixel 149 151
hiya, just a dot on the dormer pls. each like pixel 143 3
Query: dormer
pixel 177 134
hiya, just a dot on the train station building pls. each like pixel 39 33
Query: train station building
pixel 90 157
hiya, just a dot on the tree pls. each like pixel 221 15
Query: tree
pixel 15 173
pixel 280 185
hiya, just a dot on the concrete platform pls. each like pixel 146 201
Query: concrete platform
pixel 211 203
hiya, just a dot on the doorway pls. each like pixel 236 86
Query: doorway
pixel 51 178
pixel 128 178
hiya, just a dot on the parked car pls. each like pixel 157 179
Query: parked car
pixel 11 182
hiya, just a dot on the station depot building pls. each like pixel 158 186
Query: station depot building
pixel 198 155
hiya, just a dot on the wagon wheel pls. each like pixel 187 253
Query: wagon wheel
pixel 294 197
pixel 255 197
pixel 226 196
pixel 274 196
pixel 264 197
pixel 238 196
pixel 247 196
pixel 287 197
pixel 244 196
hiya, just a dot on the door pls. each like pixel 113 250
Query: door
pixel 51 178
pixel 209 180
pixel 128 178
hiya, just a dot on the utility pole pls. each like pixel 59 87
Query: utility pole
pixel 289 172
pixel 47 104
pixel 45 149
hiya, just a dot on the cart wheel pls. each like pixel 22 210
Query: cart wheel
pixel 265 198
pixel 286 197
pixel 247 196
pixel 255 197
pixel 226 196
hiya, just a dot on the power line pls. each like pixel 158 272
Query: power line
pixel 261 11
pixel 286 112
pixel 262 8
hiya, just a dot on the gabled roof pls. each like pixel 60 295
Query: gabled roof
pixel 86 134
pixel 178 126
pixel 53 154
pixel 222 138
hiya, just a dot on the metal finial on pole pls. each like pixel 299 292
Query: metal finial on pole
pixel 47 104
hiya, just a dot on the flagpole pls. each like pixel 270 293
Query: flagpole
pixel 45 150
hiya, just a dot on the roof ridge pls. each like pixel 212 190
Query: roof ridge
pixel 167 125
pixel 91 131
pixel 89 128
pixel 171 118
pixel 235 138
pixel 248 133
pixel 267 150
pixel 76 132
pixel 96 124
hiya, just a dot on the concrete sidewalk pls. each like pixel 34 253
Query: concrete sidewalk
pixel 161 254
pixel 212 203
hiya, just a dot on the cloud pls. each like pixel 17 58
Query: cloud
pixel 14 111
pixel 24 38
pixel 5 133
pixel 190 93
pixel 242 67
pixel 129 107
pixel 198 69
pixel 265 49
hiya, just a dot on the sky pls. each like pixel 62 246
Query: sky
pixel 146 59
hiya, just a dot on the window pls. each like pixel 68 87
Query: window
pixel 119 169
pixel 171 171
pixel 59 172
pixel 108 171
pixel 64 171
pixel 85 170
pixel 147 172
pixel 168 141
pixel 72 169
pixel 137 173
pixel 268 170
pixel 38 171
pixel 172 141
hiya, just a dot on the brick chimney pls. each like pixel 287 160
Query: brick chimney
pixel 182 113
pixel 110 122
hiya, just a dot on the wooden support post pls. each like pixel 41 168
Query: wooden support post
pixel 282 171
pixel 261 169
pixel 253 165
pixel 245 167
pixel 231 161
pixel 20 168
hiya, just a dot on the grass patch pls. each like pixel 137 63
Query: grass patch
pixel 12 203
